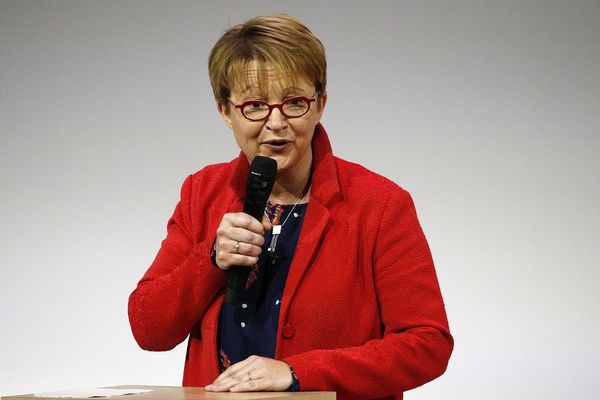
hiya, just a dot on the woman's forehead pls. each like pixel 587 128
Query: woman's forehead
pixel 264 77
pixel 268 81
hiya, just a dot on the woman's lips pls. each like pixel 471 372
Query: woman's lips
pixel 277 145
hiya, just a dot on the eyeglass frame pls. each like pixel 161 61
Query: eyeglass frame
pixel 275 105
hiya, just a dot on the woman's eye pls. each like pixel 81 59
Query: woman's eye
pixel 295 102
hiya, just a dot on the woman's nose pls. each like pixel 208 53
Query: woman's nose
pixel 276 120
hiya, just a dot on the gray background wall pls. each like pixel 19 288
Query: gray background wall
pixel 488 112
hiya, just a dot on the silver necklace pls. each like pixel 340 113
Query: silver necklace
pixel 276 230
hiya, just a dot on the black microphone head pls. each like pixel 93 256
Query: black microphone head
pixel 261 178
pixel 264 166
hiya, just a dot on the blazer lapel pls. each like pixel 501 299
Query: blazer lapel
pixel 313 227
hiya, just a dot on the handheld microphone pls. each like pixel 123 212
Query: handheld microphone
pixel 261 178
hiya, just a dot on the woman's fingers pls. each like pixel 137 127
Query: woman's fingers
pixel 243 220
pixel 227 261
pixel 243 235
pixel 232 376
pixel 254 385
pixel 239 240
pixel 253 374
pixel 244 248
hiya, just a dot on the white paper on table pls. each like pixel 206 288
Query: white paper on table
pixel 91 393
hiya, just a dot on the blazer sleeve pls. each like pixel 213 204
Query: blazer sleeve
pixel 416 342
pixel 179 286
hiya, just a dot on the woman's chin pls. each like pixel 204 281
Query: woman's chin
pixel 285 162
pixel 282 160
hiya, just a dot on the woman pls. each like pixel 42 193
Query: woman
pixel 342 294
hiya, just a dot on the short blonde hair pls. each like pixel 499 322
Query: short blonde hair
pixel 271 42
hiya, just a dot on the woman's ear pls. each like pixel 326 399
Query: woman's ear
pixel 225 112
pixel 321 105
pixel 323 100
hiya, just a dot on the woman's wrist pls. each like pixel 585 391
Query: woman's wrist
pixel 295 386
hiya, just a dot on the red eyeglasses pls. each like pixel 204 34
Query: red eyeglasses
pixel 258 110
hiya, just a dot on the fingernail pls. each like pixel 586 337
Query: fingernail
pixel 208 387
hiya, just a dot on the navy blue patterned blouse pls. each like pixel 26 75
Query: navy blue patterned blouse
pixel 250 327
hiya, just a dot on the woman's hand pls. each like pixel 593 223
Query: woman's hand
pixel 253 374
pixel 239 240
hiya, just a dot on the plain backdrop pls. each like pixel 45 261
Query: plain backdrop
pixel 488 112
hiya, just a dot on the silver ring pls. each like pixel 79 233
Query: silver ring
pixel 249 376
pixel 236 247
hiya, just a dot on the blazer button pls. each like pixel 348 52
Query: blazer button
pixel 288 331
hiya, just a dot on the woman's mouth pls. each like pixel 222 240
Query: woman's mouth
pixel 277 145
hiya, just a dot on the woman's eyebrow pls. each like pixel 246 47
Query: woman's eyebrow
pixel 255 90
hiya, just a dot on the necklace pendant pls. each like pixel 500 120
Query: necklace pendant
pixel 273 244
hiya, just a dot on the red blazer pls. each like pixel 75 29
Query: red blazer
pixel 361 313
